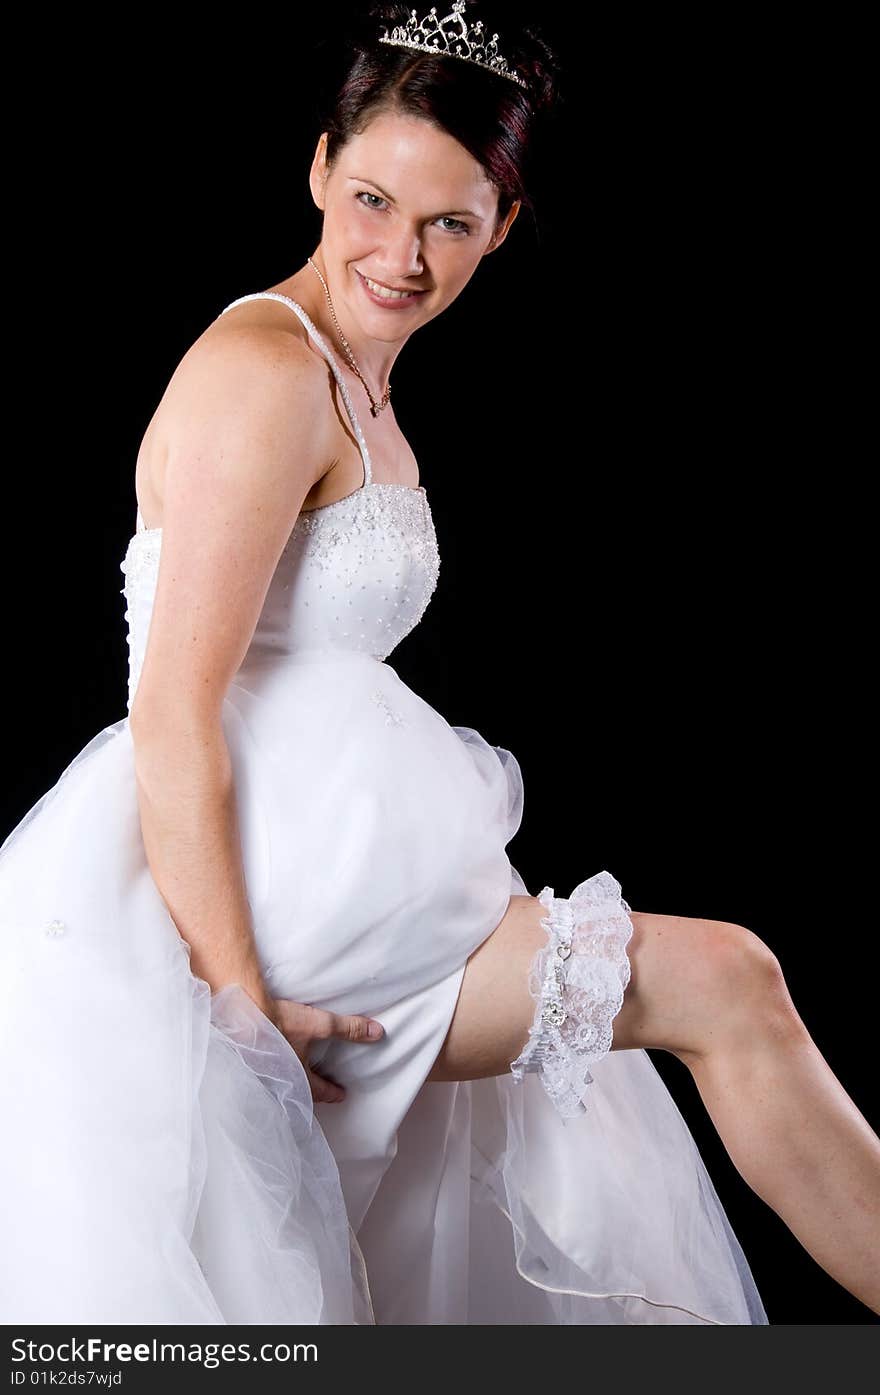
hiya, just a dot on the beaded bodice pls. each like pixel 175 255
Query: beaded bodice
pixel 355 574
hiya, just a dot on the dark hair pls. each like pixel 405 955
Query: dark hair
pixel 492 117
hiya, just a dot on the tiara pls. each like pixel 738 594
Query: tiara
pixel 452 37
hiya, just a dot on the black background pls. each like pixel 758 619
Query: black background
pixel 638 428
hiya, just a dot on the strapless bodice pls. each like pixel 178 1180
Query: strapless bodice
pixel 355 575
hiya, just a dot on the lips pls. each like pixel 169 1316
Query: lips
pixel 404 290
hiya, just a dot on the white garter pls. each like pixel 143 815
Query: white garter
pixel 578 978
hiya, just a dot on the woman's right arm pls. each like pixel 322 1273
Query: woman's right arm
pixel 250 438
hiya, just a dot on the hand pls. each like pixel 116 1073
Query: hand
pixel 303 1024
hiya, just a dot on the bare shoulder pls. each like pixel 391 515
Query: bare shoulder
pixel 261 353
pixel 254 362
pixel 268 321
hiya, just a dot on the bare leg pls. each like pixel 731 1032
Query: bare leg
pixel 791 1130
pixel 799 1141
pixel 713 995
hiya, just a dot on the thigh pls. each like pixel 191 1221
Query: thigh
pixel 681 968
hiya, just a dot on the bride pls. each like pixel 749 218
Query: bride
pixel 289 1039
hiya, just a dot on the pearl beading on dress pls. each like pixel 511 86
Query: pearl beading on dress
pixel 578 978
pixel 388 526
pixel 393 526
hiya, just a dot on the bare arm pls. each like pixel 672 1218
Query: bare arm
pixel 186 797
pixel 250 441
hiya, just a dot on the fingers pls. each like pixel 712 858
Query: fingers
pixel 324 1091
pixel 342 1024
pixel 303 1023
pixel 355 1028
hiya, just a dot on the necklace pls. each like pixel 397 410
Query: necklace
pixel 375 407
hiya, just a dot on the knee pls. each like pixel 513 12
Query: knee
pixel 748 985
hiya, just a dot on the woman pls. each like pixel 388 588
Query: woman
pixel 283 844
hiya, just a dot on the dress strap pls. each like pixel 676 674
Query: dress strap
pixel 329 356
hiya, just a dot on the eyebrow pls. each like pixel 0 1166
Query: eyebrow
pixel 448 213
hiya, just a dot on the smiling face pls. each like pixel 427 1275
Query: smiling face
pixel 407 206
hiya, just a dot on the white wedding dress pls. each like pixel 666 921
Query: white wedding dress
pixel 163 1161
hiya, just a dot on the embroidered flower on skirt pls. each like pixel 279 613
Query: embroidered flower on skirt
pixel 392 716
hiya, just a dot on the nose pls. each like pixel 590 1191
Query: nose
pixel 402 256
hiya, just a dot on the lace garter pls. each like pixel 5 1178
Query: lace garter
pixel 578 979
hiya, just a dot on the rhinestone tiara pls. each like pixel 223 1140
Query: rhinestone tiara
pixel 452 37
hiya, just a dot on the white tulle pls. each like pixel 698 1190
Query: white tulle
pixel 164 1161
